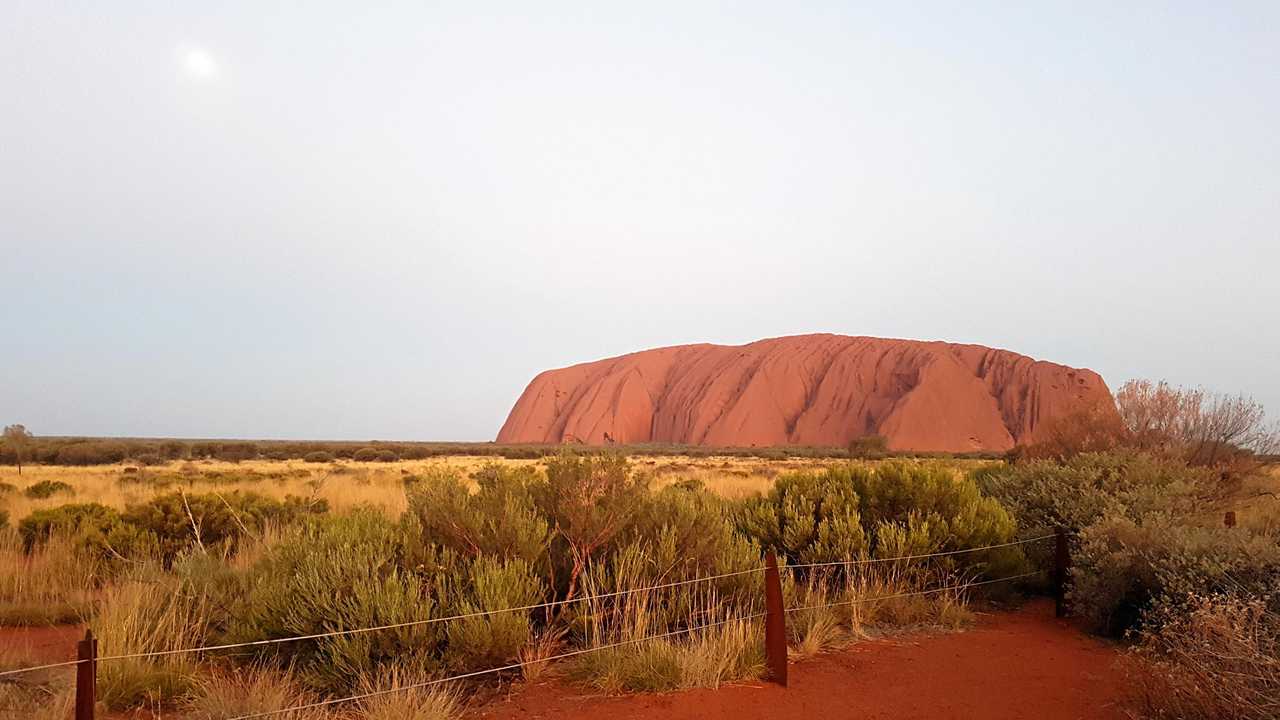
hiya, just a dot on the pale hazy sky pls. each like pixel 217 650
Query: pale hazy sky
pixel 330 221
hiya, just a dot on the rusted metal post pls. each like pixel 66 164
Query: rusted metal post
pixel 1229 519
pixel 1061 559
pixel 86 676
pixel 775 622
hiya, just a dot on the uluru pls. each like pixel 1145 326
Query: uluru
pixel 819 390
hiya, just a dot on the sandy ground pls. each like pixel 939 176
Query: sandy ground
pixel 1024 665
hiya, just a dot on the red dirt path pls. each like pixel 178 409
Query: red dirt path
pixel 1016 665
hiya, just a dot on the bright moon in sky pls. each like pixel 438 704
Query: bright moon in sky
pixel 198 63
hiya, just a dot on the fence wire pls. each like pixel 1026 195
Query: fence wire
pixel 961 586
pixel 870 561
pixel 489 671
pixel 523 608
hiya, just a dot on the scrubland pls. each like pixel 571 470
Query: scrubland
pixel 185 553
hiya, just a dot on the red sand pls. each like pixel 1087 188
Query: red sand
pixel 821 390
pixel 1019 665
pixel 47 644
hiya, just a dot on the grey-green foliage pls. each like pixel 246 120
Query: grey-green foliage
pixel 491 640
pixel 1074 494
pixel 1140 536
pixel 499 519
pixel 1127 570
pixel 338 573
pixel 894 509
pixel 808 516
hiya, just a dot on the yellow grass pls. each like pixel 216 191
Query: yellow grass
pixel 346 484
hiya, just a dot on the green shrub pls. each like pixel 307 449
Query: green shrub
pixel 365 454
pixel 1126 569
pixel 499 519
pixel 589 500
pixel 869 447
pixel 387 456
pixel 341 572
pixel 808 516
pixel 179 520
pixel 47 488
pixel 494 640
pixel 319 456
pixel 1044 495
pixel 70 519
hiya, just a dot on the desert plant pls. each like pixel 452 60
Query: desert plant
pixel 334 573
pixel 492 584
pixel 1126 570
pixel 142 616
pixel 69 519
pixel 808 516
pixel 318 456
pixel 247 691
pixel 590 500
pixel 180 520
pixel 52 583
pixel 1218 659
pixel 406 694
pixel 499 519
pixel 48 488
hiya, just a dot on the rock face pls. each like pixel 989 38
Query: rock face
pixel 823 390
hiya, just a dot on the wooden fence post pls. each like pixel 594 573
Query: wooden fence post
pixel 1061 560
pixel 1229 519
pixel 775 622
pixel 87 676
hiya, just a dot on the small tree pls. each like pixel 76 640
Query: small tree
pixel 17 437
pixel 1202 428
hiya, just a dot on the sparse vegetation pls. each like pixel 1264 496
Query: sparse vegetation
pixel 215 552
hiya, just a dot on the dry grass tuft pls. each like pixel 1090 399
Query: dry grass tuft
pixel 140 617
pixel 1220 660
pixel 406 702
pixel 52 585
pixel 248 691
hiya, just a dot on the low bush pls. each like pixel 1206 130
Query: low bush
pixel 894 509
pixel 499 519
pixel 73 519
pixel 340 572
pixel 365 454
pixel 319 456
pixel 1126 570
pixel 1219 657
pixel 48 488
pixel 180 520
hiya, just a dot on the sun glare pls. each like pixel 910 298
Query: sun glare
pixel 198 63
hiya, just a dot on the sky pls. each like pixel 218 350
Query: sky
pixel 310 220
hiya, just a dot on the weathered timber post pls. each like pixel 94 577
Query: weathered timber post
pixel 775 622
pixel 86 676
pixel 1061 560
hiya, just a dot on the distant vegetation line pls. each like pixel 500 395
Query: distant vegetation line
pixel 66 450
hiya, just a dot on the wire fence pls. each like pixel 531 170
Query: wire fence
pixel 960 587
